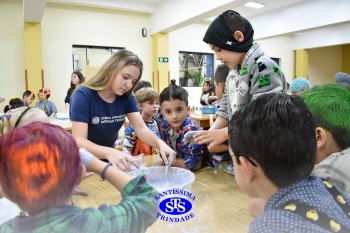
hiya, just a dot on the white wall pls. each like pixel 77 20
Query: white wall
pixel 62 27
pixel 276 47
pixel 12 83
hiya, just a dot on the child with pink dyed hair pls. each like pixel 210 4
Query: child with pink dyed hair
pixel 39 168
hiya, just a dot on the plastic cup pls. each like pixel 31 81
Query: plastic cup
pixel 139 160
pixel 119 145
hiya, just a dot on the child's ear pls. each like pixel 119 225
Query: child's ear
pixel 321 137
pixel 238 35
pixel 248 169
pixel 140 106
pixel 222 87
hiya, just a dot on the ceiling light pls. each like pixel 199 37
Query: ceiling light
pixel 254 5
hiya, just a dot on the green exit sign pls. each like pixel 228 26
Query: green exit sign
pixel 163 59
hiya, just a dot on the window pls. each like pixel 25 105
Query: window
pixel 277 60
pixel 194 67
pixel 87 59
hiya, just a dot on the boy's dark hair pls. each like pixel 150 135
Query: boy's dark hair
pixel 142 84
pixel 330 107
pixel 234 21
pixel 173 92
pixel 39 166
pixel 221 73
pixel 28 93
pixel 278 132
pixel 14 103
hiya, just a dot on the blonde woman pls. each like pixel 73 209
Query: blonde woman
pixel 100 105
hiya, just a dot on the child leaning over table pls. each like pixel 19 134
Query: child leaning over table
pixel 220 76
pixel 17 118
pixel 175 109
pixel 252 73
pixel 48 167
pixel 220 152
pixel 148 101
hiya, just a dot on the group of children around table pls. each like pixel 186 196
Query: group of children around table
pixel 44 94
pixel 44 104
pixel 275 140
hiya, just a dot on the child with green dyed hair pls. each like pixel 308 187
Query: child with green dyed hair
pixel 330 107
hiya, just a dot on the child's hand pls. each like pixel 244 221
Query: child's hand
pixel 2 99
pixel 214 137
pixel 189 138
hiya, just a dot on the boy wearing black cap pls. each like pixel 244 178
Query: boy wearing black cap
pixel 252 73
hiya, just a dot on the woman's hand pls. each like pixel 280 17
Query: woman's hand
pixel 168 154
pixel 120 159
pixel 214 137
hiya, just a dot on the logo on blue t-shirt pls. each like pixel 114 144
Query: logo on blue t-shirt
pixel 95 120
pixel 175 205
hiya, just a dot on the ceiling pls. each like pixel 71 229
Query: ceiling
pixel 278 17
pixel 151 6
pixel 34 9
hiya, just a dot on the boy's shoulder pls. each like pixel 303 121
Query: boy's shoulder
pixel 311 194
pixel 190 125
pixel 336 169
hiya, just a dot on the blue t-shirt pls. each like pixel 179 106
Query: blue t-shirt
pixel 104 119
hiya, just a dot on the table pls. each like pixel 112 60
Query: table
pixel 220 205
pixel 64 123
pixel 203 120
